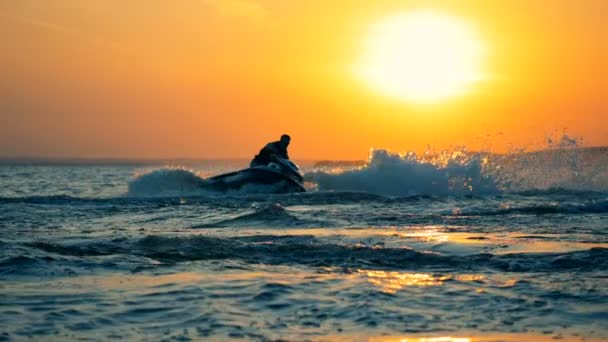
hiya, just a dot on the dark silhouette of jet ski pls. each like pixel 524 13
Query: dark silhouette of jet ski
pixel 281 174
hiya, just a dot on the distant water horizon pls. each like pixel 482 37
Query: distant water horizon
pixel 118 161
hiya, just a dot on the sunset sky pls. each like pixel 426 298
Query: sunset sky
pixel 219 78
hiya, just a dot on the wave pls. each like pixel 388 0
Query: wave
pixel 180 182
pixel 230 199
pixel 444 173
pixel 308 250
pixel 270 215
pixel 112 202
pixel 458 172
pixel 272 210
pixel 385 173
pixel 166 182
pixel 393 174
pixel 589 207
pixel 559 192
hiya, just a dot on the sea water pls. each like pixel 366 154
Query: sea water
pixel 449 247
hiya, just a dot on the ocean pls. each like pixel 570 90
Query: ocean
pixel 449 246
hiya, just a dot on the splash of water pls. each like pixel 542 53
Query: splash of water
pixel 561 164
pixel 558 167
pixel 166 182
pixel 394 174
pixel 182 182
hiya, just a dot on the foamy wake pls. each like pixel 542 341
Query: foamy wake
pixel 454 172
pixel 181 182
pixel 166 182
pixel 459 172
pixel 393 174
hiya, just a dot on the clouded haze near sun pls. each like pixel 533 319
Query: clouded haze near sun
pixel 218 78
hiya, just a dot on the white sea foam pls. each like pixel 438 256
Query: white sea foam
pixel 166 182
pixel 176 181
pixel 458 172
pixel 393 174
pixel 448 172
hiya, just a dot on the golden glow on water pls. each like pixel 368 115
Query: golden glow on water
pixel 144 282
pixel 391 281
pixel 472 337
pixel 434 238
pixel 428 235
pixel 437 339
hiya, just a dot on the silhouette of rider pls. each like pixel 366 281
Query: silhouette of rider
pixel 276 148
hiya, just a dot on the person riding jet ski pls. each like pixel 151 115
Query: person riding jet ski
pixel 267 153
pixel 269 167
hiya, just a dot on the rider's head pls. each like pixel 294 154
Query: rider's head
pixel 285 139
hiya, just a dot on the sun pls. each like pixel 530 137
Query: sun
pixel 421 56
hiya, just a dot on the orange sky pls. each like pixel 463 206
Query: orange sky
pixel 218 78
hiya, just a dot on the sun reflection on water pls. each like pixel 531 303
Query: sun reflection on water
pixel 421 339
pixel 438 339
pixel 508 337
pixel 391 282
pixel 423 234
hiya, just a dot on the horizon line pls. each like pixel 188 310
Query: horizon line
pixel 149 160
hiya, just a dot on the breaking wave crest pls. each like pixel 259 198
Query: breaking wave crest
pixel 450 172
pixel 173 182
pixel 401 175
pixel 460 172
pixel 166 182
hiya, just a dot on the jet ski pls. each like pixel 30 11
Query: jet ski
pixel 282 175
